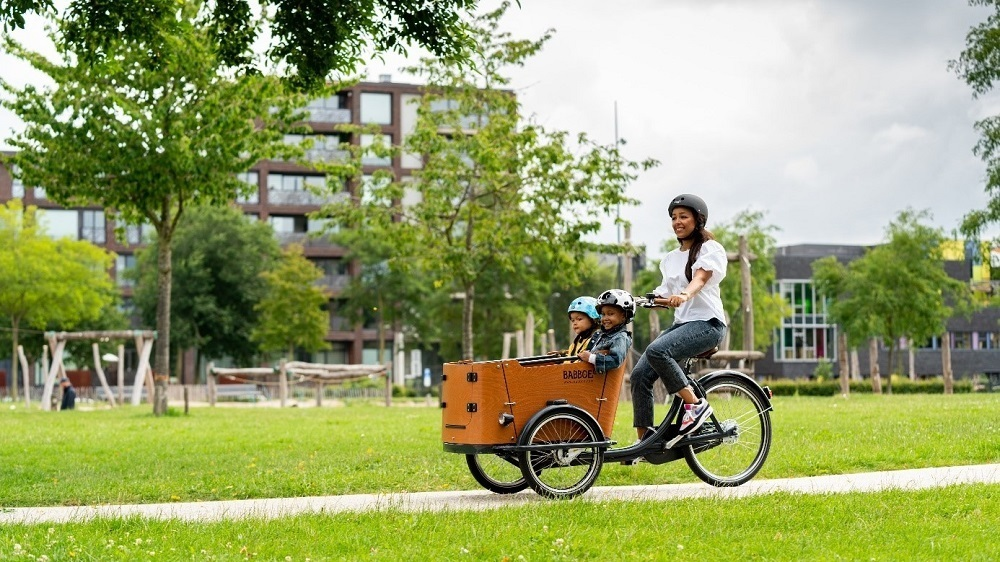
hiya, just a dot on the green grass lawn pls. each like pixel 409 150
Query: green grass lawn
pixel 129 456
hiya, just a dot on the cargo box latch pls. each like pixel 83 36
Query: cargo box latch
pixel 472 377
pixel 471 407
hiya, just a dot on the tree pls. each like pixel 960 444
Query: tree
pixel 495 197
pixel 45 281
pixel 218 257
pixel 146 141
pixel 292 312
pixel 898 289
pixel 312 38
pixel 768 309
pixel 979 67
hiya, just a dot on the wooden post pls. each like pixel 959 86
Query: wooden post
pixel 913 368
pixel 100 374
pixel 210 382
pixel 873 365
pixel 50 378
pixel 121 373
pixel 319 390
pixel 282 382
pixel 24 376
pixel 146 345
pixel 388 390
pixel 519 342
pixel 747 294
pixel 949 379
pixel 529 334
pixel 552 339
pixel 186 400
pixel 505 354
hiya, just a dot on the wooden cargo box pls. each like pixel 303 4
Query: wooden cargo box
pixel 474 396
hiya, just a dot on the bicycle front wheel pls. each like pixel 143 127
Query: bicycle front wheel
pixel 497 473
pixel 567 465
pixel 745 418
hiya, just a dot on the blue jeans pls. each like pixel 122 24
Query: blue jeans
pixel 660 360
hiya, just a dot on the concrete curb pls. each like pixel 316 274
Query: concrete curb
pixel 480 499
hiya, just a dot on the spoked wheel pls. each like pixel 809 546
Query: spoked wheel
pixel 497 473
pixel 561 470
pixel 745 418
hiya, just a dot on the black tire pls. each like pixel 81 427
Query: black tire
pixel 497 473
pixel 564 471
pixel 732 461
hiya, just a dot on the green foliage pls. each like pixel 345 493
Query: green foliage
pixel 898 289
pixel 831 387
pixel 148 128
pixel 824 370
pixel 313 38
pixel 504 206
pixel 292 311
pixel 218 258
pixel 979 67
pixel 46 282
pixel 768 309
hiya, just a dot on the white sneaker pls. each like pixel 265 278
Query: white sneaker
pixel 694 415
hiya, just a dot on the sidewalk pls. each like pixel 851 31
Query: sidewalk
pixel 481 499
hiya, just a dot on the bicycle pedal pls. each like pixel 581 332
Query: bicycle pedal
pixel 633 462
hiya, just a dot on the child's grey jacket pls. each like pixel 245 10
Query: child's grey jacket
pixel 610 348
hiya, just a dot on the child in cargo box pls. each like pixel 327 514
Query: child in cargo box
pixel 609 346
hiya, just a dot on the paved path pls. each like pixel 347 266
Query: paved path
pixel 481 499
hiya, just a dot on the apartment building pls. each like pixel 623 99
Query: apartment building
pixel 283 200
pixel 808 336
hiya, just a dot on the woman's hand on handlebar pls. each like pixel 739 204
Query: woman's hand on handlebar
pixel 653 301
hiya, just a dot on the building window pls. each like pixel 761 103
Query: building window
pixel 805 335
pixel 250 178
pixel 336 355
pixel 961 340
pixel 60 223
pixel 92 227
pixel 123 264
pixel 376 108
pixel 369 355
pixel 136 234
pixel 17 186
pixel 295 189
pixel 289 224
pixel 369 157
pixel 338 322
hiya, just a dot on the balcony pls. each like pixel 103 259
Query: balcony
pixel 329 115
pixel 299 198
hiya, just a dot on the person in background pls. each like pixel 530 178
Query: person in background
pixel 68 395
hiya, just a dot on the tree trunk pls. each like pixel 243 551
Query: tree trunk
pixel 161 364
pixel 842 362
pixel 873 365
pixel 949 380
pixel 14 322
pixel 467 307
pixel 892 355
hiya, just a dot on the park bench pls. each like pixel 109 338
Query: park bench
pixel 240 392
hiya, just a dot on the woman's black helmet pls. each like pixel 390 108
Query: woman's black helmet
pixel 693 202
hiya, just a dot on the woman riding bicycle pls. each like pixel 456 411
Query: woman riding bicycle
pixel 691 277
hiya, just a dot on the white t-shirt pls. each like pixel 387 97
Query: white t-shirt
pixel 706 303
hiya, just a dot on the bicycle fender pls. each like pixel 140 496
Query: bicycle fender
pixel 754 385
pixel 556 408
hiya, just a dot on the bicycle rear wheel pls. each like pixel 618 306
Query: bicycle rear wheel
pixel 497 473
pixel 745 416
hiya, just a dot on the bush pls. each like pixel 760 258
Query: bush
pixel 900 385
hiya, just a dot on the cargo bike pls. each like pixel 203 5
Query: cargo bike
pixel 545 422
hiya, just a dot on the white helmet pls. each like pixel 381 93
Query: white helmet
pixel 620 298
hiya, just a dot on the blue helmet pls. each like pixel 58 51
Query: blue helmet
pixel 586 305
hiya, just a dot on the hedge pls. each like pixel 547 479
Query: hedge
pixel 788 387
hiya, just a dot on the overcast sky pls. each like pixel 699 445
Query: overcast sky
pixel 830 116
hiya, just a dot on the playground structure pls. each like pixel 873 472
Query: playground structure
pixel 57 343
pixel 290 373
